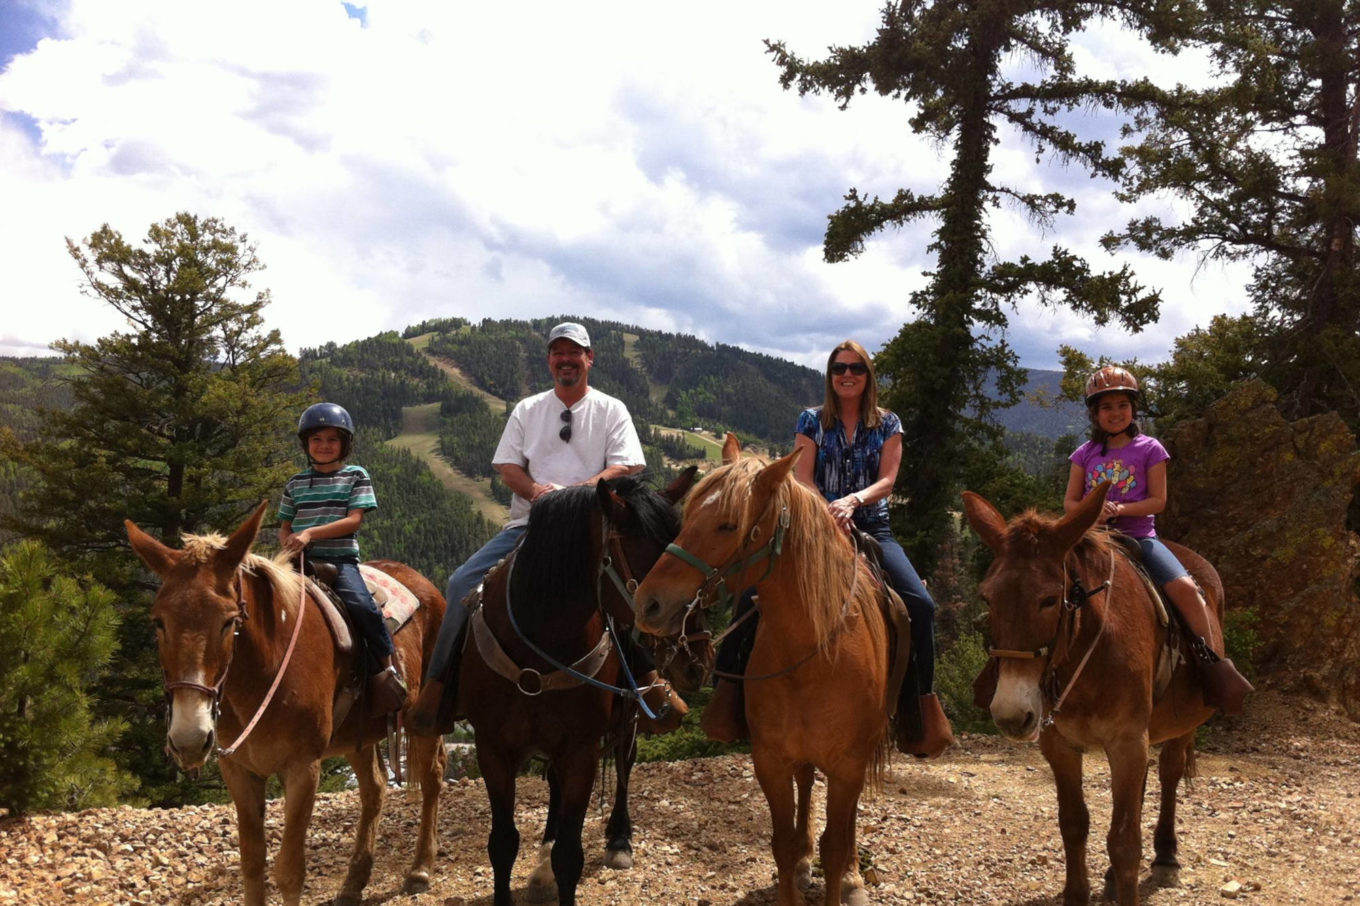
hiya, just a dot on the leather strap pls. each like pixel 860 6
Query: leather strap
pixel 527 679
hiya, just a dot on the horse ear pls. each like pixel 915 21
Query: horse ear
pixel 1071 527
pixel 676 490
pixel 159 558
pixel 731 449
pixel 238 545
pixel 773 475
pixel 986 520
pixel 613 506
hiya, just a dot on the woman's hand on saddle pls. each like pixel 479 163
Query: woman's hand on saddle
pixel 1111 510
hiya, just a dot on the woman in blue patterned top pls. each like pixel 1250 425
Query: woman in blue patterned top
pixel 851 452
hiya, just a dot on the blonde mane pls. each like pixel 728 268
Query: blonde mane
pixel 284 580
pixel 820 553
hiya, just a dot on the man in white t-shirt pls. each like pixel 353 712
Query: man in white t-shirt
pixel 569 435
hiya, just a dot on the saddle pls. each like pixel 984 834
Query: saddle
pixel 397 603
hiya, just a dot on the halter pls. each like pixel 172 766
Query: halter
pixel 714 587
pixel 1072 601
pixel 214 692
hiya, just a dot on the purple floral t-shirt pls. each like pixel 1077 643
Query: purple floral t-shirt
pixel 1126 469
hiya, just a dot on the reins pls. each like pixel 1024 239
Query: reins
pixel 574 675
pixel 1072 601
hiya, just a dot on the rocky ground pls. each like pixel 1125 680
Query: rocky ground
pixel 1273 818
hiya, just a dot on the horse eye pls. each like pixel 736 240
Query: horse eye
pixel 158 624
pixel 727 527
pixel 1050 601
pixel 228 626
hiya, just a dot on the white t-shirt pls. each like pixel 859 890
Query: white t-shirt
pixel 602 435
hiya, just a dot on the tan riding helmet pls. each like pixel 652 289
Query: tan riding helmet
pixel 1108 379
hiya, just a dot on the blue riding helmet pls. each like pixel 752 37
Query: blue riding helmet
pixel 325 415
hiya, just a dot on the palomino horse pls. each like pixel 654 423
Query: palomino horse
pixel 548 673
pixel 1085 663
pixel 227 622
pixel 821 651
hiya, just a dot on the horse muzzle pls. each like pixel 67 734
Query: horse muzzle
pixel 191 736
pixel 1017 710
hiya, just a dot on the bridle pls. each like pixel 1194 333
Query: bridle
pixel 214 692
pixel 1074 598
pixel 714 590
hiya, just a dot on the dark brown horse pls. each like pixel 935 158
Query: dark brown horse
pixel 821 651
pixel 543 674
pixel 225 620
pixel 1085 663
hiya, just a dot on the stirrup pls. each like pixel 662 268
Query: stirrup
pixel 1203 652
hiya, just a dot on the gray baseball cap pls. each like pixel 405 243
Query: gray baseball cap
pixel 572 331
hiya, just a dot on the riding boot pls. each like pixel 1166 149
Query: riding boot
pixel 1224 687
pixel 724 717
pixel 937 735
pixel 387 690
pixel 669 708
pixel 422 718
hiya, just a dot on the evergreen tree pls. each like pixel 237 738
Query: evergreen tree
pixel 57 636
pixel 182 425
pixel 1267 162
pixel 952 367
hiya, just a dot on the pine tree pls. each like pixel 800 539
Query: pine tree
pixel 1267 162
pixel 952 367
pixel 57 636
pixel 183 425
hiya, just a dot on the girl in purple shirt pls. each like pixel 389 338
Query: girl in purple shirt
pixel 1134 465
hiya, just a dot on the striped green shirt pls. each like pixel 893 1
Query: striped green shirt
pixel 313 498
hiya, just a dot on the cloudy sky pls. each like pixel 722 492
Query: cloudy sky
pixel 398 160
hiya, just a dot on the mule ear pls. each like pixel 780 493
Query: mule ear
pixel 1071 527
pixel 986 520
pixel 159 558
pixel 238 545
pixel 676 490
pixel 731 449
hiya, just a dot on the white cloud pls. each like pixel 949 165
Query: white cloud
pixel 625 160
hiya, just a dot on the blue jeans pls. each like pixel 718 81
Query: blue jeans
pixel 920 605
pixel 363 610
pixel 1161 564
pixel 464 579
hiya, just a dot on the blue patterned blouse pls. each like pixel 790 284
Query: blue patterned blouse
pixel 845 468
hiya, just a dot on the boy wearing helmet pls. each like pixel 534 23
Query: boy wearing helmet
pixel 1135 466
pixel 310 519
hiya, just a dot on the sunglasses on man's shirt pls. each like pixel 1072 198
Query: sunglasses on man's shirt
pixel 565 433
pixel 858 369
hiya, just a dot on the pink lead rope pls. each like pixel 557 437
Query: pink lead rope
pixel 287 656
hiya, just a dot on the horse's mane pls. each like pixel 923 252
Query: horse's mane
pixel 814 546
pixel 555 558
pixel 282 577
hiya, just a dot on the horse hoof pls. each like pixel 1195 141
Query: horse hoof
pixel 1166 875
pixel 618 859
pixel 537 892
pixel 802 874
pixel 855 896
pixel 416 883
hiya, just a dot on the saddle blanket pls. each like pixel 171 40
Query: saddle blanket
pixel 396 601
